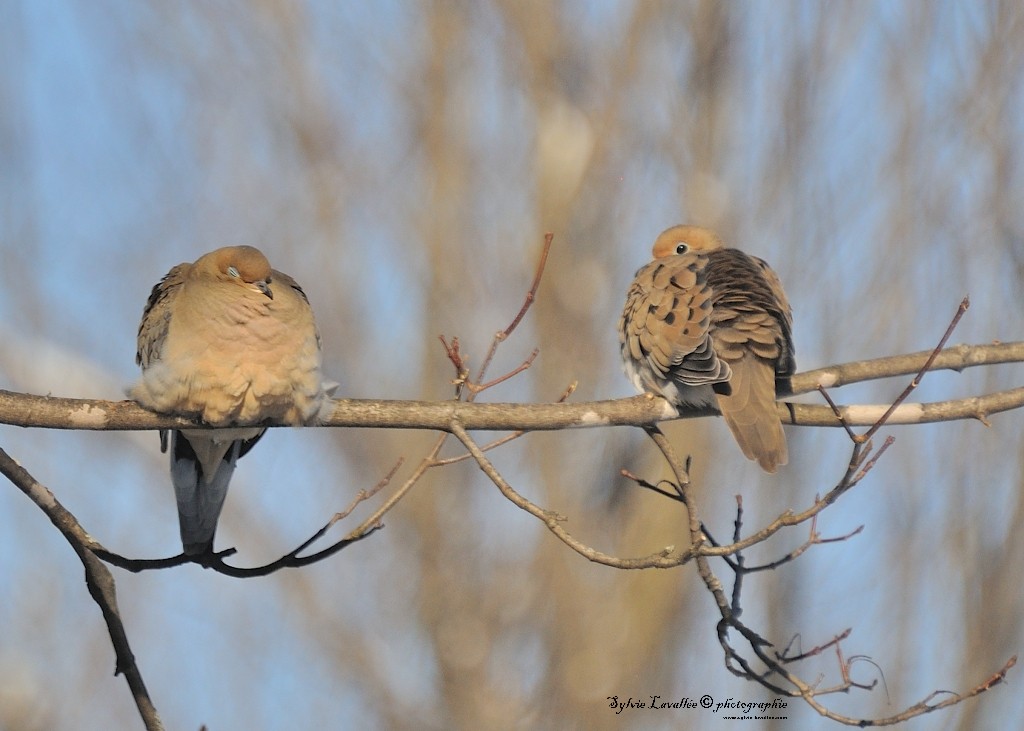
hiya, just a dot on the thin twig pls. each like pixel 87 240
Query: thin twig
pixel 964 304
pixel 785 657
pixel 670 494
pixel 889 440
pixel 215 560
pixel 553 520
pixel 514 372
pixel 503 335
pixel 839 414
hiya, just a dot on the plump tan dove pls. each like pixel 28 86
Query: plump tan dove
pixel 231 342
pixel 706 325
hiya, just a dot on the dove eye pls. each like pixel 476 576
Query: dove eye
pixel 682 248
pixel 233 272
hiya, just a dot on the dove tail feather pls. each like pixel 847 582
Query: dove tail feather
pixel 751 414
pixel 200 500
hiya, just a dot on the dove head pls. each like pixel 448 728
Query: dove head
pixel 683 239
pixel 245 266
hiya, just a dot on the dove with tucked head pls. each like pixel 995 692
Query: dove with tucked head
pixel 230 342
pixel 705 325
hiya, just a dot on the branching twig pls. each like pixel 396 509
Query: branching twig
pixel 737 562
pixel 215 561
pixel 553 520
pixel 785 657
pixel 501 440
pixel 293 560
pixel 670 494
pixel 531 295
pixel 964 304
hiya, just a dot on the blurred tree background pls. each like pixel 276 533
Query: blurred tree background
pixel 402 161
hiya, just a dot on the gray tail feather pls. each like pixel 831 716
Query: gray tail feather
pixel 199 501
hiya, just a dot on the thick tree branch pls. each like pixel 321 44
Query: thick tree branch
pixel 48 412
pixel 954 358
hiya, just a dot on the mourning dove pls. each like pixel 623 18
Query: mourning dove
pixel 709 326
pixel 232 343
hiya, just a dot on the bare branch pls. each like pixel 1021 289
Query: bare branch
pixel 48 412
pixel 215 560
pixel 920 374
pixel 954 358
pixel 502 440
pixel 553 520
pixel 531 295
pixel 98 579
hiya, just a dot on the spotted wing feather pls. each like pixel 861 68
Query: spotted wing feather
pixel 664 331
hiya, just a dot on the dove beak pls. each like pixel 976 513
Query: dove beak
pixel 264 287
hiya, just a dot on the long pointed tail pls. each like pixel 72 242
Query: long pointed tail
pixel 751 414
pixel 200 499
